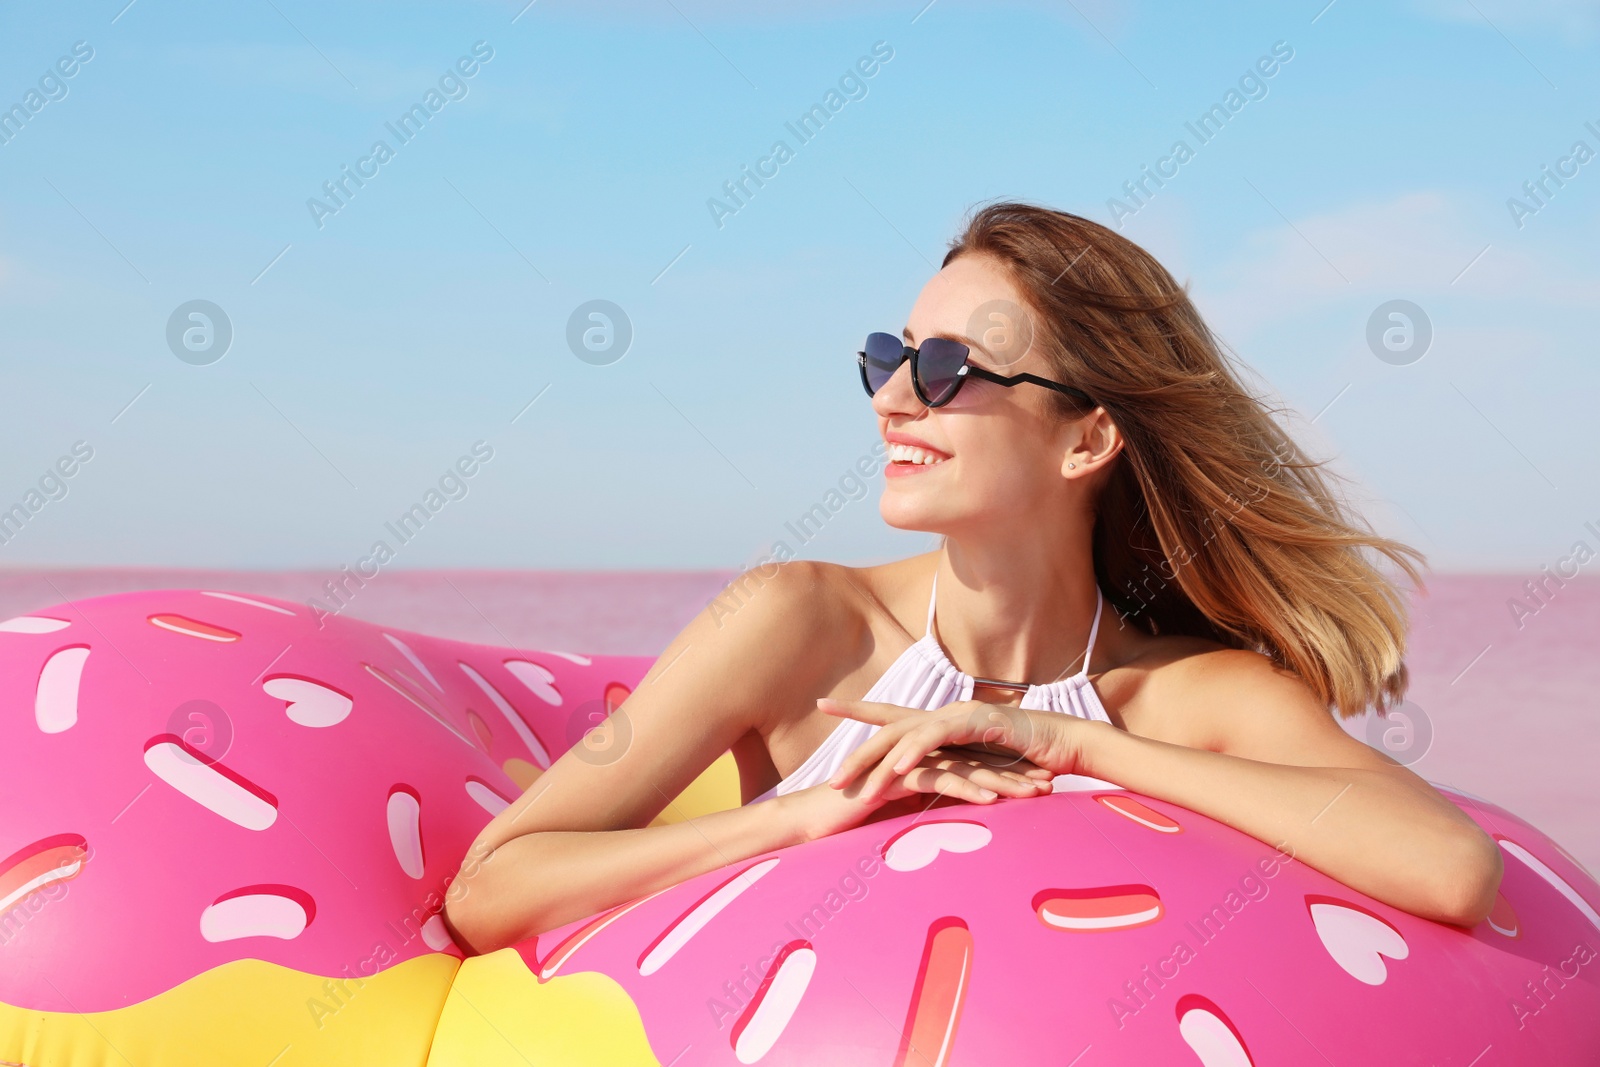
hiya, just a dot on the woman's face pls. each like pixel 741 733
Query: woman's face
pixel 1004 450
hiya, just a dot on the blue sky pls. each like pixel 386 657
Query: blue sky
pixel 371 351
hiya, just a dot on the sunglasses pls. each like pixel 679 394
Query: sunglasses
pixel 939 367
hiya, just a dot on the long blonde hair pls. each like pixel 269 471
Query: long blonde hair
pixel 1211 522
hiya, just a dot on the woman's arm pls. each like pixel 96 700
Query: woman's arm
pixel 540 880
pixel 1246 744
pixel 576 841
pixel 545 879
pixel 1380 830
pixel 1250 745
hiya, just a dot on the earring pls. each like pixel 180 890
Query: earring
pixel 1072 466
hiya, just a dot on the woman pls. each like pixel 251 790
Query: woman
pixel 1141 582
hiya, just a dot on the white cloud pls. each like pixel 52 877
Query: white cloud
pixel 1414 245
pixel 1577 21
pixel 298 67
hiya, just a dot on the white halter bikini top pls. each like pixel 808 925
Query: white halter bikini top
pixel 923 677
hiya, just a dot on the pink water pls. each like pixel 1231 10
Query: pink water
pixel 1513 710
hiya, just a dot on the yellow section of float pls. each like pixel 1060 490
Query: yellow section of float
pixel 247 1013
pixel 717 789
pixel 498 1014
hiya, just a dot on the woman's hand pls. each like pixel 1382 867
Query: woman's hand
pixel 952 775
pixel 1030 742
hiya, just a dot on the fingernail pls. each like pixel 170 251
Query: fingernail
pixel 987 794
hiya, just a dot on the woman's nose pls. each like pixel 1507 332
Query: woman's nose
pixel 896 395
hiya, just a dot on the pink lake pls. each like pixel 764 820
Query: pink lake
pixel 1511 707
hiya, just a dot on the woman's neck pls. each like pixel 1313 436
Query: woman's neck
pixel 1016 614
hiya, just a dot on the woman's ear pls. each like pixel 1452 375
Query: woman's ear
pixel 1098 442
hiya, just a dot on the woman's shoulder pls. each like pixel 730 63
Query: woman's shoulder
pixel 783 633
pixel 824 597
pixel 1192 690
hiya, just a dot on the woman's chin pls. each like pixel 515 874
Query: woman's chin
pixel 909 515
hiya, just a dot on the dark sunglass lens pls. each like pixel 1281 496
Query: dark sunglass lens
pixel 939 363
pixel 885 352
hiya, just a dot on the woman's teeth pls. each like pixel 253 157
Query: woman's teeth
pixel 912 454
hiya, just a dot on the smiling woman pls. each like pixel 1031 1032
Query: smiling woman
pixel 1142 580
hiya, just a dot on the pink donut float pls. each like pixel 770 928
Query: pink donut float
pixel 228 831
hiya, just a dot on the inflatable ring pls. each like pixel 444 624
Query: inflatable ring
pixel 228 831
